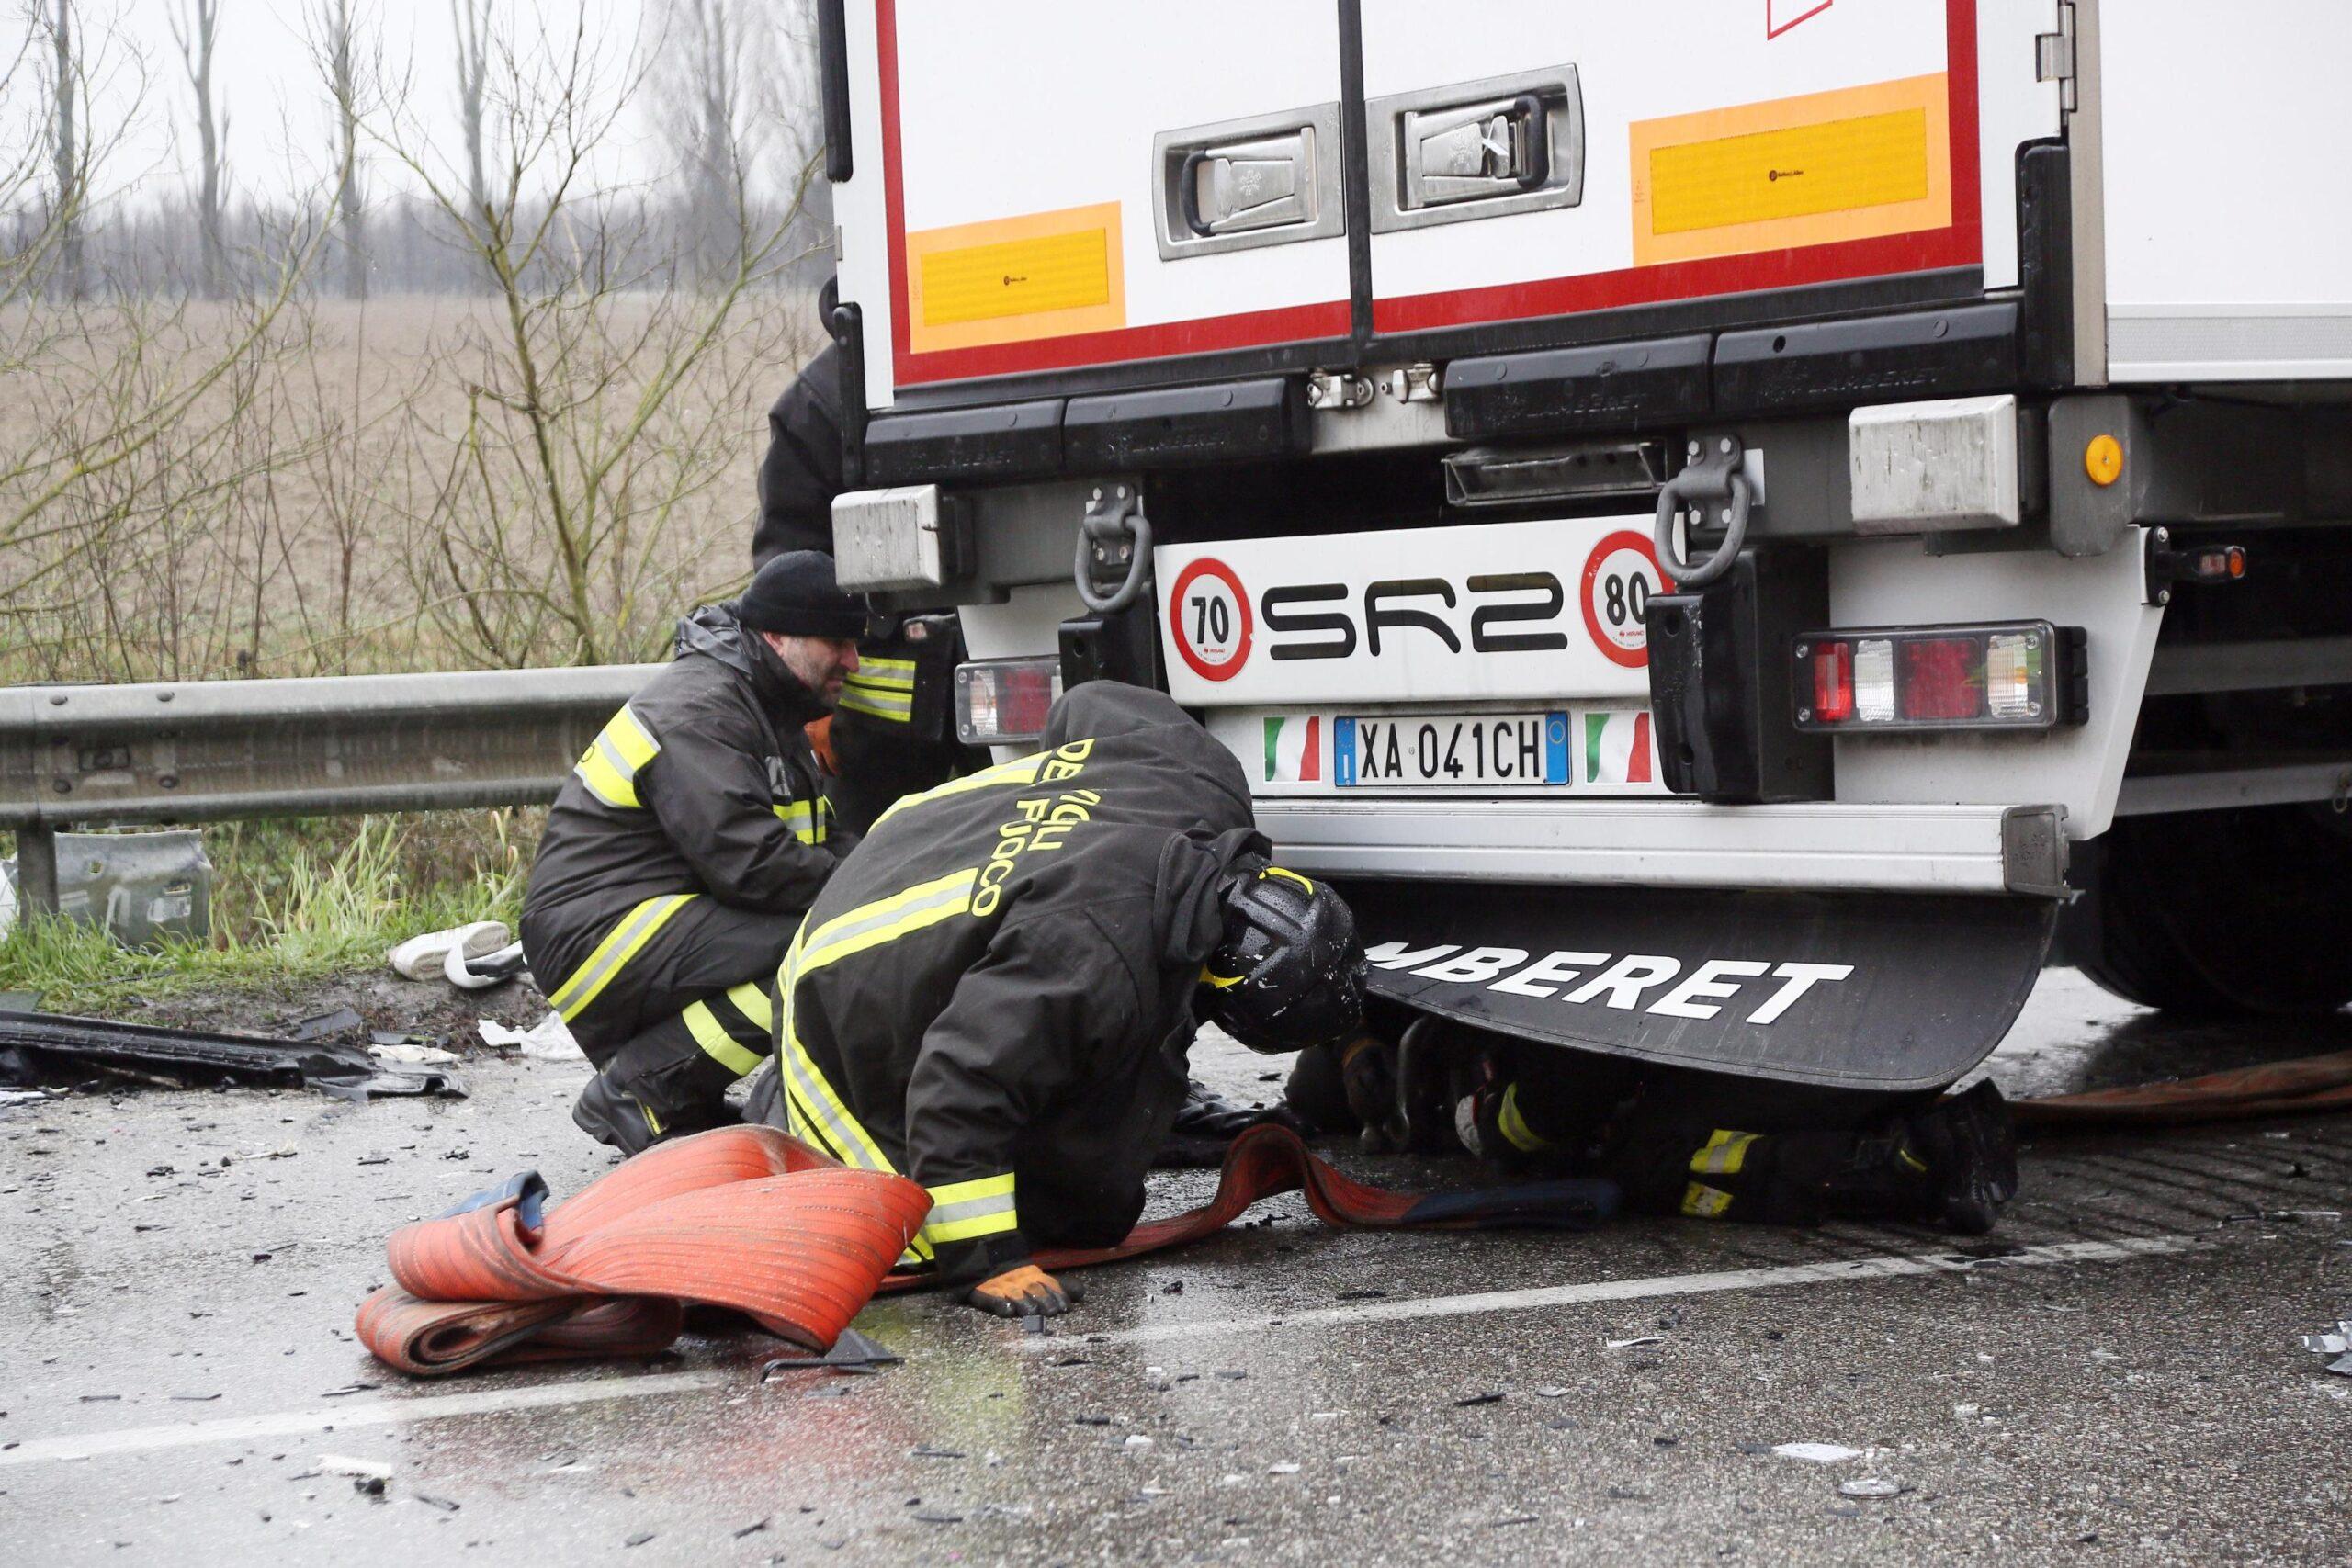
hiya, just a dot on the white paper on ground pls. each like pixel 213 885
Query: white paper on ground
pixel 547 1039
pixel 412 1055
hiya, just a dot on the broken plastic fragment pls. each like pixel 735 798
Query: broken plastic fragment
pixel 1641 1342
pixel 1871 1486
pixel 1817 1453
pixel 852 1352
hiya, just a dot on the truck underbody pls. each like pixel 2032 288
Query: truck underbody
pixel 1735 538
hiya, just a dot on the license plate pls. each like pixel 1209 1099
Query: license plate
pixel 1435 752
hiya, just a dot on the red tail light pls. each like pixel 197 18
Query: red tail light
pixel 2015 675
pixel 1941 679
pixel 1833 682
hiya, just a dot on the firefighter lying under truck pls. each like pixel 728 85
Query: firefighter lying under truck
pixel 682 850
pixel 1675 1143
pixel 996 994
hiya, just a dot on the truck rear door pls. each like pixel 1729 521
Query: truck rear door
pixel 1052 198
pixel 1541 160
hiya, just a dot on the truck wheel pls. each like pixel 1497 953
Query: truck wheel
pixel 2219 912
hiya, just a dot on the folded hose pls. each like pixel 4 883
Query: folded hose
pixel 752 1219
pixel 742 1217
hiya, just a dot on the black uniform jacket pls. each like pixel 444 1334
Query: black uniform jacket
pixel 703 784
pixel 802 471
pixel 994 995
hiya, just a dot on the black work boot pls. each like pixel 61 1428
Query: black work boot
pixel 1971 1154
pixel 618 1117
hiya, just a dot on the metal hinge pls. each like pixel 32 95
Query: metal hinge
pixel 2053 57
pixel 1337 389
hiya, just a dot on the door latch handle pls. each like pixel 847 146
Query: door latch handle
pixel 1243 184
pixel 1471 151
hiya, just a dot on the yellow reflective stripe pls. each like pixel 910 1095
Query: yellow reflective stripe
pixel 1725 1152
pixel 1706 1202
pixel 961 1210
pixel 1021 770
pixel 809 822
pixel 887 920
pixel 631 739
pixel 620 944
pixel 1514 1127
pixel 1278 871
pixel 609 766
pixel 751 999
pixel 717 1044
pixel 1217 982
pixel 870 668
pixel 881 705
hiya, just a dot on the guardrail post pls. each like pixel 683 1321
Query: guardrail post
pixel 37 871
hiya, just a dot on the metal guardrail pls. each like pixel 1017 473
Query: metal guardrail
pixel 217 750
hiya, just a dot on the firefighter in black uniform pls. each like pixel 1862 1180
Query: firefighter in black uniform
pixel 894 730
pixel 996 993
pixel 1693 1144
pixel 682 853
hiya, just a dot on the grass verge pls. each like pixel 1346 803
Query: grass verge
pixel 294 903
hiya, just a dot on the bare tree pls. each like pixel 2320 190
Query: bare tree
pixel 335 48
pixel 72 189
pixel 469 20
pixel 707 59
pixel 609 397
pixel 196 30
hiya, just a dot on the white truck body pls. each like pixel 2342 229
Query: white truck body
pixel 1921 266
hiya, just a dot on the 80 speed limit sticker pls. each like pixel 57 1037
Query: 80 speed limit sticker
pixel 1619 577
pixel 1210 612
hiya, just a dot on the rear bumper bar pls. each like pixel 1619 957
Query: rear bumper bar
pixel 1679 843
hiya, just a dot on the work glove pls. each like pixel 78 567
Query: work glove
pixel 1023 1291
pixel 1368 1077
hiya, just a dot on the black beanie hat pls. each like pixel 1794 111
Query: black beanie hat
pixel 794 595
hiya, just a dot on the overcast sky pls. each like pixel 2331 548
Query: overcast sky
pixel 279 138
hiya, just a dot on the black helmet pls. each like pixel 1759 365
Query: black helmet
pixel 1289 971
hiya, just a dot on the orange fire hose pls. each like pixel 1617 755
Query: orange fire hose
pixel 751 1219
pixel 2271 1089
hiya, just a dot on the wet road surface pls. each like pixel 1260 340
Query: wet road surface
pixel 179 1382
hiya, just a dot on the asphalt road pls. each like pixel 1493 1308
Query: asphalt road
pixel 179 1382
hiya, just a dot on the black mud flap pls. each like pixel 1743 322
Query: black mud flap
pixel 1874 991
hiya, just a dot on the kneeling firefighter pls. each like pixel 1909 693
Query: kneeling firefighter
pixel 1674 1142
pixel 682 853
pixel 996 994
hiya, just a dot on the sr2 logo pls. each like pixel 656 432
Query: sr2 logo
pixel 1500 610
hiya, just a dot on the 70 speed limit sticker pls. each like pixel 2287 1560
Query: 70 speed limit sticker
pixel 1619 577
pixel 1209 611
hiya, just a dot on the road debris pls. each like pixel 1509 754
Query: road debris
pixel 55 1045
pixel 1641 1342
pixel 852 1352
pixel 412 1055
pixel 550 1040
pixel 346 1464
pixel 319 1026
pixel 1872 1486
pixel 463 948
pixel 1816 1453
pixel 2337 1344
